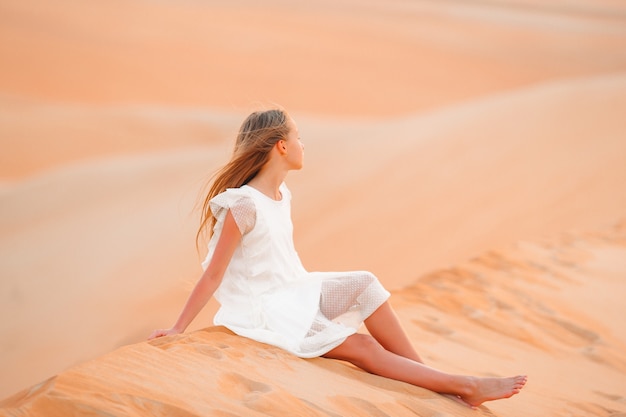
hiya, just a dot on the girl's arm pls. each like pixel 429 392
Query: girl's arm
pixel 210 279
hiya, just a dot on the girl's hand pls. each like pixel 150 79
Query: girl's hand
pixel 163 332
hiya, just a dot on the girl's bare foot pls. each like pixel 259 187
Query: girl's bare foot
pixel 488 389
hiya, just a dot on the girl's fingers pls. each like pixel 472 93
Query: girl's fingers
pixel 162 332
pixel 156 333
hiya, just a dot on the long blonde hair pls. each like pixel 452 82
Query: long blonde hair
pixel 257 136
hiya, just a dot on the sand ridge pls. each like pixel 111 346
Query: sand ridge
pixel 331 58
pixel 514 297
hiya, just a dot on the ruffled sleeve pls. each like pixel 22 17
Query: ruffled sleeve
pixel 241 205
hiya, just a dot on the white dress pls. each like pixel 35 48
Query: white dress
pixel 267 295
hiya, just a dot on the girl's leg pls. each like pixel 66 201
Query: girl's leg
pixel 384 326
pixel 366 353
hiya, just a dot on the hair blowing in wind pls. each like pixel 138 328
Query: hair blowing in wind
pixel 257 135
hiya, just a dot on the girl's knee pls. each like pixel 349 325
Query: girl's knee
pixel 366 351
pixel 357 345
pixel 361 350
pixel 366 345
pixel 368 342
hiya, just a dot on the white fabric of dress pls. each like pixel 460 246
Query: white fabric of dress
pixel 267 295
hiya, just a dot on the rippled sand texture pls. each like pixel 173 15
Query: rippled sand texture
pixel 552 307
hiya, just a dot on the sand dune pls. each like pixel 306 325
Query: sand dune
pixel 231 377
pixel 441 187
pixel 537 304
pixel 437 135
pixel 334 58
pixel 524 306
pixel 44 135
pixel 118 233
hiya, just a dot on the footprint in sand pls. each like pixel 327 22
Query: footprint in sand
pixel 261 397
pixel 237 386
pixel 209 351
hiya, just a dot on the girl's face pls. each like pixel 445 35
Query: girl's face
pixel 294 148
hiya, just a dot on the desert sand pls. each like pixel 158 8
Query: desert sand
pixel 470 154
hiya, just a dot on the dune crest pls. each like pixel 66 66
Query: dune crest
pixel 213 372
pixel 533 297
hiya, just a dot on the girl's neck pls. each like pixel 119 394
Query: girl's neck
pixel 268 184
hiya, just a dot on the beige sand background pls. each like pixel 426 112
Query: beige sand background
pixel 471 154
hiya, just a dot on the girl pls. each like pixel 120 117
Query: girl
pixel 266 294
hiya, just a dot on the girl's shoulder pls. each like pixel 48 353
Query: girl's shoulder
pixel 245 195
pixel 232 196
pixel 241 205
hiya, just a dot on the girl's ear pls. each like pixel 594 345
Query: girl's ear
pixel 280 145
